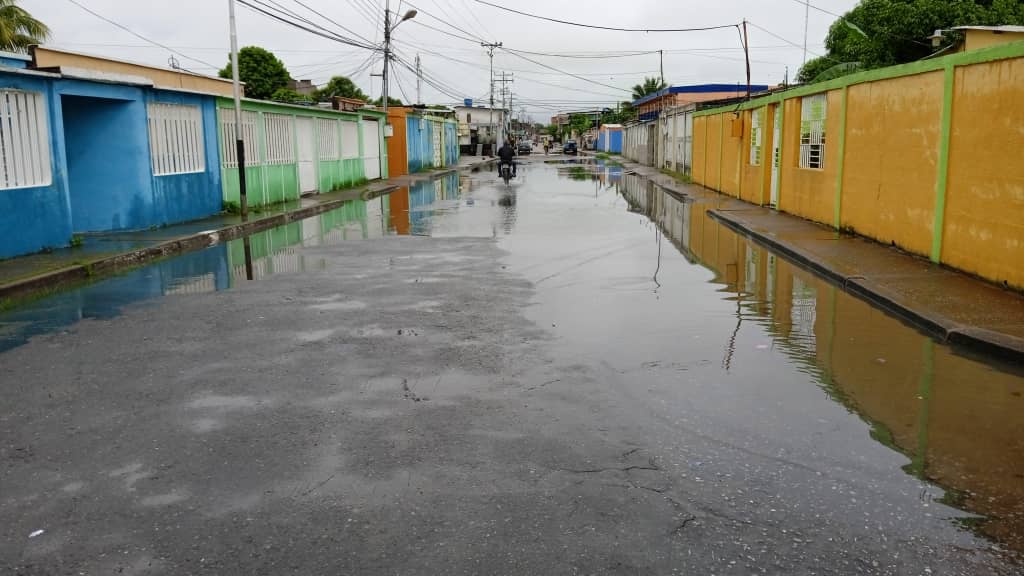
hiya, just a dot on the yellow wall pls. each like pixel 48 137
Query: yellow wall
pixel 809 193
pixel 731 144
pixel 714 139
pixel 161 78
pixel 984 223
pixel 984 38
pixel 892 150
pixel 699 148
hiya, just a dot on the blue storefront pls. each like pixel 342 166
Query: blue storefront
pixel 83 154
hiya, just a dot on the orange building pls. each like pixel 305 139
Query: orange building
pixel 649 106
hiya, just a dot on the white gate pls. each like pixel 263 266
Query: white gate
pixel 436 130
pixel 371 145
pixel 307 155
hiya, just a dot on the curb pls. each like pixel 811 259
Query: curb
pixel 979 339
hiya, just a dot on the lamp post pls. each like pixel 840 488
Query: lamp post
pixel 388 28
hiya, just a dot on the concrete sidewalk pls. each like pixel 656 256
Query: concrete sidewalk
pixel 953 306
pixel 105 254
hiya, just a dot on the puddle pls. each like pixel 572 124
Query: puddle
pixel 719 332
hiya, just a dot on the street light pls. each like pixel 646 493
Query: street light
pixel 387 50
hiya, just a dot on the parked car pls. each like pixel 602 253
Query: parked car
pixel 569 147
pixel 525 147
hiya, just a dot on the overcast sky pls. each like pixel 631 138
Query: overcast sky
pixel 198 29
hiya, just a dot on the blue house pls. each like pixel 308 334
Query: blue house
pixel 95 145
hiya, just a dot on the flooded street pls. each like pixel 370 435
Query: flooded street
pixel 579 373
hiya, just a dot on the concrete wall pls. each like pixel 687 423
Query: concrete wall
pixel 160 77
pixel 925 156
pixel 274 183
pixel 398 155
pixel 420 145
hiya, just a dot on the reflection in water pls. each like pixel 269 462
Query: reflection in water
pixel 273 251
pixel 455 204
pixel 957 420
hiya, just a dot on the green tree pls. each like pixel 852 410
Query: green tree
pixel 289 95
pixel 262 72
pixel 878 33
pixel 579 123
pixel 18 29
pixel 391 101
pixel 340 86
pixel 649 86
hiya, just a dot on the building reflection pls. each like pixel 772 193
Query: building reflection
pixel 219 267
pixel 956 419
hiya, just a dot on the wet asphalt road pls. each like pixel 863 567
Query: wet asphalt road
pixel 537 382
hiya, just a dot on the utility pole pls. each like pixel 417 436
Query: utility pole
pixel 661 60
pixel 387 55
pixel 419 81
pixel 490 110
pixel 243 200
pixel 506 78
pixel 746 52
pixel 807 17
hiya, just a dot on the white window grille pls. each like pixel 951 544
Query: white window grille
pixel 176 139
pixel 330 139
pixel 280 146
pixel 24 140
pixel 228 139
pixel 755 137
pixel 349 139
pixel 812 131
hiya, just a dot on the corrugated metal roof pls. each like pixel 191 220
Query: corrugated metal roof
pixel 1004 28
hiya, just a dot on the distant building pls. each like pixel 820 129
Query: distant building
pixel 480 127
pixel 305 87
pixel 975 37
pixel 650 106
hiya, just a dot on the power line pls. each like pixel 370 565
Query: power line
pixel 581 25
pixel 140 36
pixel 428 26
pixel 517 55
pixel 446 22
pixel 776 36
pixel 320 14
pixel 802 3
pixel 275 13
pixel 327 34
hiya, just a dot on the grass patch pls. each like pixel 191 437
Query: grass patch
pixel 677 176
pixel 355 184
pixel 602 156
pixel 76 241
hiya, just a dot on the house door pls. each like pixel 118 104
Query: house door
pixel 307 156
pixel 371 145
pixel 438 161
pixel 776 155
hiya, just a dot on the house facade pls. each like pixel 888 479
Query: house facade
pixel 89 150
pixel 298 150
pixel 479 128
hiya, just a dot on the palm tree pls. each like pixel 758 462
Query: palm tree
pixel 650 86
pixel 18 29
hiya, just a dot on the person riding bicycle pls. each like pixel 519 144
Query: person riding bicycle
pixel 506 157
